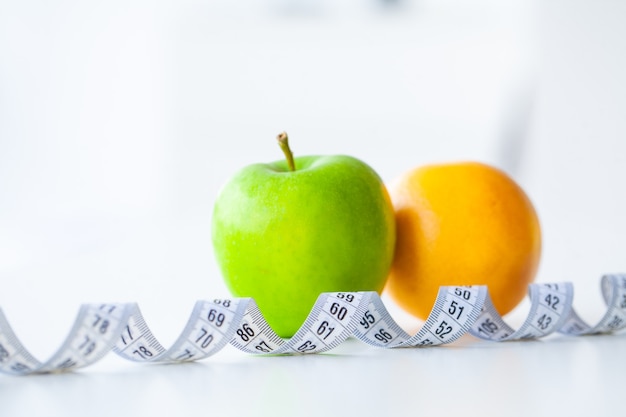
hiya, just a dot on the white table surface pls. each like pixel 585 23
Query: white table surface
pixel 120 121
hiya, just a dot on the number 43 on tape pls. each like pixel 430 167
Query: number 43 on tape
pixel 121 328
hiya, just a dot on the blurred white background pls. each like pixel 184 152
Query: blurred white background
pixel 120 120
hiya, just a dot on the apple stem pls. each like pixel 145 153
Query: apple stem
pixel 283 142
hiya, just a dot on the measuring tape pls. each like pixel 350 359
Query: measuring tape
pixel 121 328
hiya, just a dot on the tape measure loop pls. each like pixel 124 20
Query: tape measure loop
pixel 549 309
pixel 613 288
pixel 92 336
pixel 121 327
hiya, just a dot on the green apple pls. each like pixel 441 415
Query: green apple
pixel 286 231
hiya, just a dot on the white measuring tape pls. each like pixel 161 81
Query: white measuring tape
pixel 100 328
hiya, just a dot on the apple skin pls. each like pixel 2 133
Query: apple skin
pixel 283 237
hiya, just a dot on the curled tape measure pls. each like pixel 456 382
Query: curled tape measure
pixel 100 328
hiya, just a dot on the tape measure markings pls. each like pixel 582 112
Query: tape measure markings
pixel 138 344
pixel 185 348
pixel 377 328
pixel 100 328
pixel 254 328
pixel 456 309
pixel 93 335
pixel 548 303
pixel 14 358
pixel 613 287
pixel 203 333
pixel 614 292
pixel 332 311
pixel 339 307
pixel 550 307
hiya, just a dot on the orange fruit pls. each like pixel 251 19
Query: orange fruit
pixel 461 224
